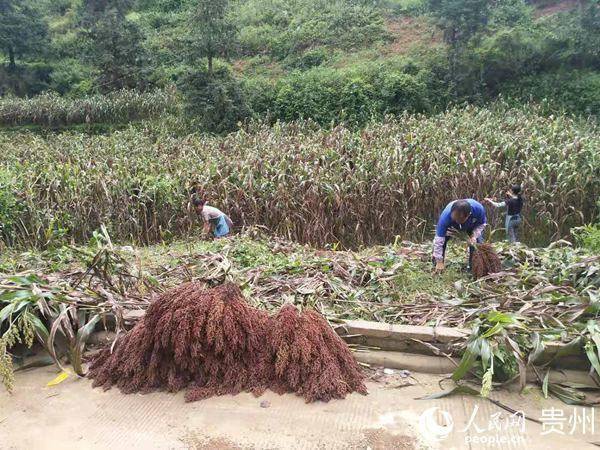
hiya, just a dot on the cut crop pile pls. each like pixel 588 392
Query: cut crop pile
pixel 485 261
pixel 310 359
pixel 211 342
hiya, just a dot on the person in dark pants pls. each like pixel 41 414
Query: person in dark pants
pixel 460 215
pixel 513 204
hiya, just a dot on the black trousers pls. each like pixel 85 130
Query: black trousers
pixel 471 247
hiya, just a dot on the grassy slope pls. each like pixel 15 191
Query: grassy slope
pixel 262 28
pixel 407 31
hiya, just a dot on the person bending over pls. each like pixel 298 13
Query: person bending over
pixel 214 219
pixel 460 215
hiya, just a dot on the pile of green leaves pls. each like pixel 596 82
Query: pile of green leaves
pixel 60 313
pixel 550 296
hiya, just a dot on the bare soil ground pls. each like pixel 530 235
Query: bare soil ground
pixel 410 32
pixel 73 415
pixel 561 6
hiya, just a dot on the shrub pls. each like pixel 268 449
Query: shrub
pixel 72 78
pixel 259 93
pixel 25 80
pixel 576 91
pixel 509 50
pixel 310 58
pixel 352 96
pixel 215 101
pixel 588 236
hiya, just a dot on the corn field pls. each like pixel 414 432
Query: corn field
pixel 300 181
pixel 52 110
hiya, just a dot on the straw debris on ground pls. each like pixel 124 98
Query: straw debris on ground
pixel 542 295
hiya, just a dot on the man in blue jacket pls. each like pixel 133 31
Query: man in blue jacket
pixel 460 215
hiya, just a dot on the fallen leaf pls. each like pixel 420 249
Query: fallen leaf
pixel 59 379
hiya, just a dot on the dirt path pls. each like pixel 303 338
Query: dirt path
pixel 73 415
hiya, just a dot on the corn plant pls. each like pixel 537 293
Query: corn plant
pixel 31 310
pixel 19 321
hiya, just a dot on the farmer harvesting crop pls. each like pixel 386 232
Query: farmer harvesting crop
pixel 513 205
pixel 459 215
pixel 213 218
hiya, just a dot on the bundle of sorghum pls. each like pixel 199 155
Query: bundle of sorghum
pixel 208 340
pixel 485 261
pixel 310 358
pixel 211 342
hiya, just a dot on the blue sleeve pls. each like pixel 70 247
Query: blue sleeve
pixel 443 223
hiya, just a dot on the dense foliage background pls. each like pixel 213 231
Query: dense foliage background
pixel 372 114
pixel 329 60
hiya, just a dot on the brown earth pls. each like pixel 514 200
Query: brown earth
pixel 410 32
pixel 561 6
pixel 75 416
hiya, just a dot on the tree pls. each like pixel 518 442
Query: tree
pixel 212 33
pixel 113 44
pixel 22 30
pixel 510 13
pixel 587 34
pixel 215 100
pixel 460 20
pixel 212 95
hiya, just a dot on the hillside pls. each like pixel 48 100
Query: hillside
pixel 342 60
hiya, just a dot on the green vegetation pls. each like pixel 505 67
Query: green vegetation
pixel 589 237
pixel 283 29
pixel 302 182
pixel 354 122
pixel 22 30
pixel 51 110
pixel 576 91
pixel 68 289
pixel 111 44
pixel 348 61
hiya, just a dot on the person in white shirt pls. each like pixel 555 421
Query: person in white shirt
pixel 214 219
